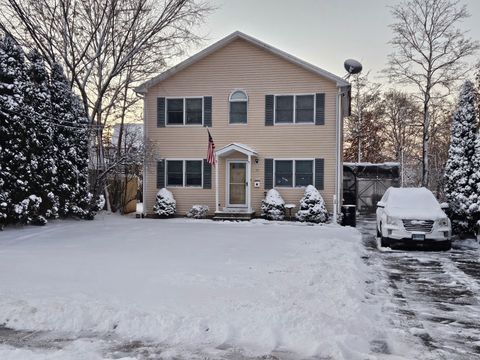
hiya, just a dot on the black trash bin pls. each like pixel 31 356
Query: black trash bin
pixel 349 215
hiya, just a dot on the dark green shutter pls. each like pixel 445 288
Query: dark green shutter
pixel 160 174
pixel 320 109
pixel 207 111
pixel 268 174
pixel 268 110
pixel 207 175
pixel 161 112
pixel 319 173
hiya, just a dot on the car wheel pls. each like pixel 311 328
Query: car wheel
pixel 383 240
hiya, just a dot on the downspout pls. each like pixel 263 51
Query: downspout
pixel 145 155
pixel 337 198
pixel 217 208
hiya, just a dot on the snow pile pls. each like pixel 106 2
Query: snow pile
pixel 312 207
pixel 195 287
pixel 198 212
pixel 165 204
pixel 273 206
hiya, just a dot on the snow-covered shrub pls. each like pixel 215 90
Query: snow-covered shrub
pixel 165 203
pixel 273 206
pixel 312 207
pixel 198 212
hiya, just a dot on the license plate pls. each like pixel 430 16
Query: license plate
pixel 418 236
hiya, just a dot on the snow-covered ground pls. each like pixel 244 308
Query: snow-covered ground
pixel 193 287
pixel 431 299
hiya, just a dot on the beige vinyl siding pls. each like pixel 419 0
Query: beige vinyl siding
pixel 241 65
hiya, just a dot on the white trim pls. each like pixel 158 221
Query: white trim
pixel 236 101
pixel 235 147
pixel 294 120
pixel 143 88
pixel 249 183
pixel 184 173
pixel 294 170
pixel 217 199
pixel 145 160
pixel 227 184
pixel 184 98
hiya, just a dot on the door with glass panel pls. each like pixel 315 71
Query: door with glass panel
pixel 237 183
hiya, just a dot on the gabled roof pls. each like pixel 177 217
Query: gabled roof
pixel 241 148
pixel 227 40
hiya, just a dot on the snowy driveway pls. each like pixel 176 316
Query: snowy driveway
pixel 432 298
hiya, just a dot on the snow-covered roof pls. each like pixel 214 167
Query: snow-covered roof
pixel 371 164
pixel 242 148
pixel 227 40
pixel 132 133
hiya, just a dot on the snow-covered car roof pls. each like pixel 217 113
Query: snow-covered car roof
pixel 417 203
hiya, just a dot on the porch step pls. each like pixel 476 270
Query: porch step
pixel 230 215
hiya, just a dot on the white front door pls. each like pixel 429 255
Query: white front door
pixel 237 183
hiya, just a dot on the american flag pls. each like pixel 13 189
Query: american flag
pixel 211 150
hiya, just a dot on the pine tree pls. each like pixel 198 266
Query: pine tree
pixel 15 168
pixel 459 171
pixel 71 145
pixel 474 200
pixel 42 152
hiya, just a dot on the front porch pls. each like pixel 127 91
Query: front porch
pixel 234 164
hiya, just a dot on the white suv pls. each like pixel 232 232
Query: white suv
pixel 412 216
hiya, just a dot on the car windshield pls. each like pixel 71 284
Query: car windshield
pixel 412 198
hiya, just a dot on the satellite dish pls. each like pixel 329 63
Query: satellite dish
pixel 352 66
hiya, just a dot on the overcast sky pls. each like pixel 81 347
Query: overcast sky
pixel 323 32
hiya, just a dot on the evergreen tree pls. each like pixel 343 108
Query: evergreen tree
pixel 15 167
pixel 460 169
pixel 474 200
pixel 312 207
pixel 273 206
pixel 43 177
pixel 165 204
pixel 71 139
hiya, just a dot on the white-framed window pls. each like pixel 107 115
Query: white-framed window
pixel 184 173
pixel 294 109
pixel 238 107
pixel 184 111
pixel 293 172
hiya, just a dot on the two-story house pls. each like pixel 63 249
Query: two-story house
pixel 276 122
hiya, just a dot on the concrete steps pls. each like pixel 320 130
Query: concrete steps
pixel 232 215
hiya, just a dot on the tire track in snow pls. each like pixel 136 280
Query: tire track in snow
pixel 434 297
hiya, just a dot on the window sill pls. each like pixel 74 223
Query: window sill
pixel 297 123
pixel 184 125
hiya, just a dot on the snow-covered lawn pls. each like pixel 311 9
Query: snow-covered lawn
pixel 192 285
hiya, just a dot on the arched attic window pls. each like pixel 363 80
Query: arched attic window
pixel 238 107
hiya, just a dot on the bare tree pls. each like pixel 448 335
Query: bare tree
pixel 440 133
pixel 401 115
pixel 362 129
pixel 429 54
pixel 107 47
